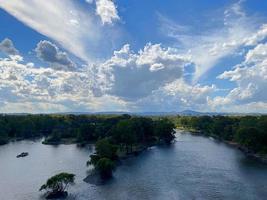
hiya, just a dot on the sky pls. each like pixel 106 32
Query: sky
pixel 133 55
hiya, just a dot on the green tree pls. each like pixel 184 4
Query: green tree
pixel 86 132
pixel 124 134
pixel 164 129
pixel 54 138
pixel 57 185
pixel 3 133
pixel 3 137
pixel 104 148
pixel 250 137
pixel 103 159
pixel 105 166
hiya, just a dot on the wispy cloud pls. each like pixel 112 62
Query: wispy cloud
pixel 208 48
pixel 66 22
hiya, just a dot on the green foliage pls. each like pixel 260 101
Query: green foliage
pixel 94 158
pixel 83 128
pixel 58 183
pixel 251 138
pixel 105 166
pixel 127 133
pixel 3 138
pixel 164 129
pixel 104 148
pixel 54 138
pixel 86 132
pixel 123 133
pixel 103 159
pixel 124 130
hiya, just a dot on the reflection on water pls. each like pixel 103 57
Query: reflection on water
pixel 192 168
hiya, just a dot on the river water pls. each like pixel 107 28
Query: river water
pixel 192 168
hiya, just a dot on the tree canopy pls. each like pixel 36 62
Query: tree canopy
pixel 57 185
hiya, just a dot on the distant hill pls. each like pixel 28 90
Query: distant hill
pixel 181 113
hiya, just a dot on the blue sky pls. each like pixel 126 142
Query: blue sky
pixel 153 55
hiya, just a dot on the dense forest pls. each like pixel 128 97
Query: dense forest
pixel 54 127
pixel 248 131
pixel 82 128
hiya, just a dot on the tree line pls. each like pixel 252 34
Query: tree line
pixel 83 128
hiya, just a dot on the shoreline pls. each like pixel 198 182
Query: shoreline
pixel 248 153
pixel 255 156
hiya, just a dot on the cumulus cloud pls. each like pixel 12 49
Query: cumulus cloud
pixel 121 80
pixel 7 47
pixel 257 37
pixel 251 79
pixel 106 10
pixel 28 88
pixel 177 95
pixel 258 55
pixel 51 54
pixel 31 107
pixel 130 75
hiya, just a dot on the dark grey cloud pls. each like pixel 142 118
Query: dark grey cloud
pixel 51 54
pixel 7 47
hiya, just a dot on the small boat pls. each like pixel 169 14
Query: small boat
pixel 23 154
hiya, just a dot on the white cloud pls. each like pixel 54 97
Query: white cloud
pixel 260 35
pixel 63 21
pixel 212 45
pixel 51 54
pixel 225 106
pixel 130 75
pixel 258 55
pixel 44 89
pixel 177 95
pixel 150 79
pixel 31 107
pixel 251 79
pixel 107 11
pixel 7 47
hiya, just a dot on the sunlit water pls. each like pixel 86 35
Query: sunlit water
pixel 192 168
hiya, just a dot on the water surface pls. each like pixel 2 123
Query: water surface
pixel 192 168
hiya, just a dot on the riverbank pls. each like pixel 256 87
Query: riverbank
pixel 255 156
pixel 61 141
pixel 250 154
pixel 67 141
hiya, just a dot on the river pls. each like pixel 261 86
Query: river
pixel 192 168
